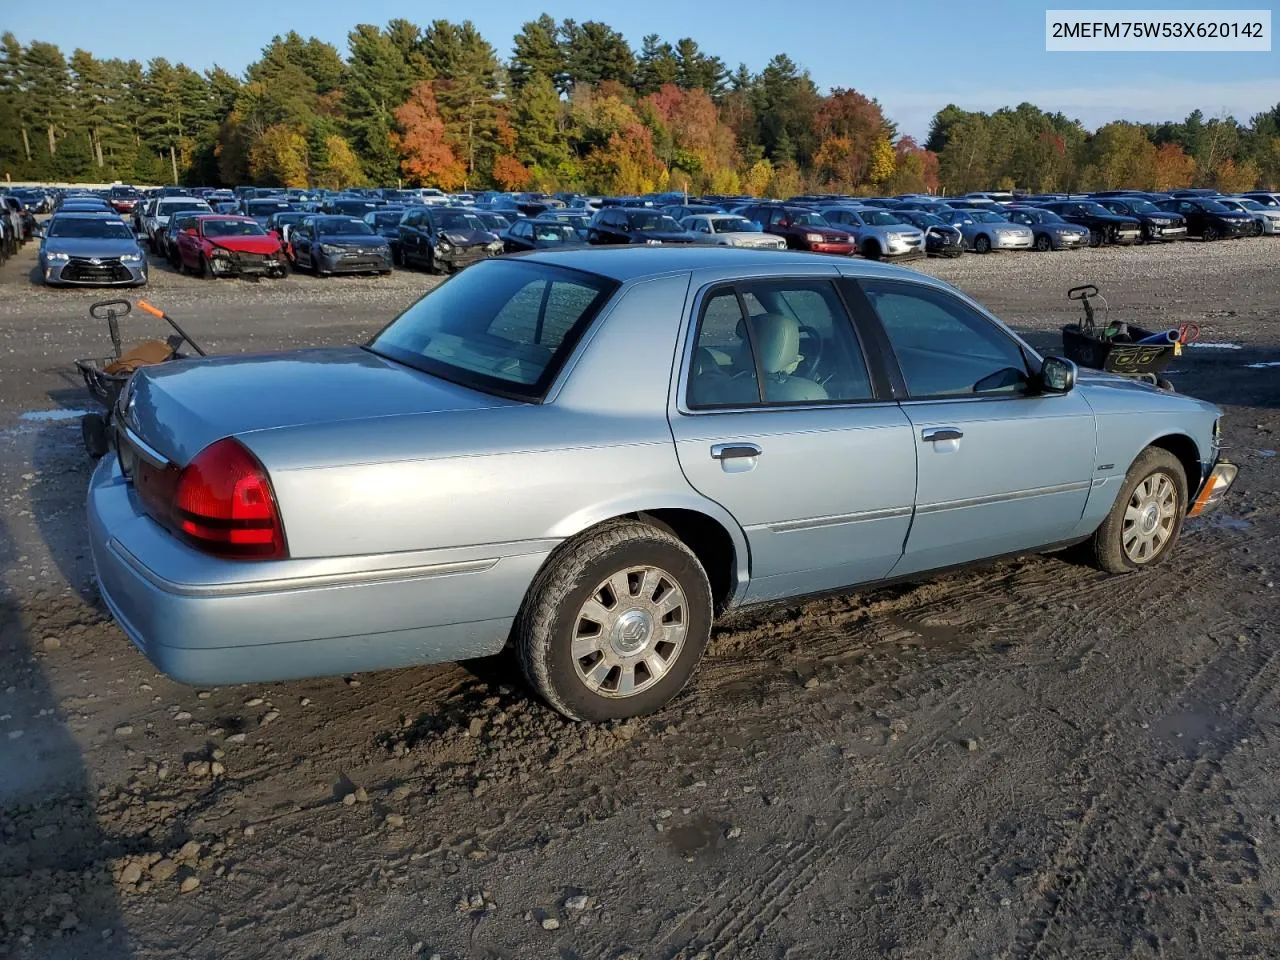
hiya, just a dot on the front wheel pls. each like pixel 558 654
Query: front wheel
pixel 1210 233
pixel 982 243
pixel 871 250
pixel 616 622
pixel 1145 520
pixel 1095 238
pixel 1043 243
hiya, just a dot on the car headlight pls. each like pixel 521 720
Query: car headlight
pixel 330 249
pixel 495 246
pixel 653 243
pixel 57 257
pixel 131 258
pixel 444 246
pixel 814 237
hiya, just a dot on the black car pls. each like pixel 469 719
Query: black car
pixel 1207 218
pixel 635 225
pixel 1157 225
pixel 540 234
pixel 578 219
pixel 385 222
pixel 444 239
pixel 941 239
pixel 494 222
pixel 1051 232
pixel 1103 225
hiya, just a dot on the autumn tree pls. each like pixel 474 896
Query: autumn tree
pixel 426 156
pixel 279 158
pixel 1172 168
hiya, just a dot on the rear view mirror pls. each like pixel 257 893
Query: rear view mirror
pixel 1057 375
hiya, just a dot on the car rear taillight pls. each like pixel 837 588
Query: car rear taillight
pixel 223 504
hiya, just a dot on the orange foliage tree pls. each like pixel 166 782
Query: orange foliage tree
pixel 425 155
pixel 1173 168
pixel 1230 177
pixel 509 173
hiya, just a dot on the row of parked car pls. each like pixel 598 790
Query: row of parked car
pixel 255 231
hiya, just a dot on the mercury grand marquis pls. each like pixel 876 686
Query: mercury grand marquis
pixel 591 454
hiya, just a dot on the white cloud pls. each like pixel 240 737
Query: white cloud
pixel 1145 101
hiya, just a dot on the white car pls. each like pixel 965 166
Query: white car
pixel 731 230
pixel 157 219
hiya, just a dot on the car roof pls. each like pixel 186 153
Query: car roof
pixel 626 263
pixel 86 215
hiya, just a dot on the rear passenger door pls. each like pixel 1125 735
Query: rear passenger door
pixel 1001 468
pixel 780 420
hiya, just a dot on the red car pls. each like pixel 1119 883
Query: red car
pixel 123 199
pixel 802 228
pixel 228 246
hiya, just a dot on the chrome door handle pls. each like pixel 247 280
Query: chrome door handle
pixel 934 434
pixel 734 451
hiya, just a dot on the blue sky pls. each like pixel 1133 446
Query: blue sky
pixel 913 57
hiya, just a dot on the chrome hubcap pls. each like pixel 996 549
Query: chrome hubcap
pixel 1149 518
pixel 630 631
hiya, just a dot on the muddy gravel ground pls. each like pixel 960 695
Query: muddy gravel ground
pixel 1027 761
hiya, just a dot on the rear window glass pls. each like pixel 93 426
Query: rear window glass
pixel 502 326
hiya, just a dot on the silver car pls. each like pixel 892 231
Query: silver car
pixel 730 230
pixel 592 454
pixel 986 230
pixel 157 219
pixel 1266 220
pixel 90 249
pixel 881 234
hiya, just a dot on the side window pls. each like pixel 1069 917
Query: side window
pixel 795 344
pixel 944 347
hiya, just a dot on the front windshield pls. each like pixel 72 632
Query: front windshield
pixel 1250 204
pixel 501 326
pixel 554 233
pixel 922 219
pixel 264 208
pixel 89 229
pixel 652 223
pixel 1142 206
pixel 455 220
pixel 341 226
pixel 232 228
pixel 986 216
pixel 734 225
pixel 1096 209
pixel 805 218
pixel 879 218
pixel 1213 206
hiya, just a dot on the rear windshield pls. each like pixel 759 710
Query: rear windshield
pixel 104 229
pixel 502 326
pixel 173 206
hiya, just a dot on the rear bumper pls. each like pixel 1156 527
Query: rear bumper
pixel 202 620
pixel 1214 489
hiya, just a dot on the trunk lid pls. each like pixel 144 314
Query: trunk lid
pixel 180 407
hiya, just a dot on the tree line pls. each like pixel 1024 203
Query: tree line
pixel 574 107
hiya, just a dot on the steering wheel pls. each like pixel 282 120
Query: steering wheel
pixel 810 365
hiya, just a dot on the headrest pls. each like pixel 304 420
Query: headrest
pixel 777 340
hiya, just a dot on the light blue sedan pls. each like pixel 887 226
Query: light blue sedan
pixel 590 455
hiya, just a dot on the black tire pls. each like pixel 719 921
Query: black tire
pixel 871 250
pixel 1108 544
pixel 1043 243
pixel 576 572
pixel 1257 228
pixel 982 243
pixel 432 266
pixel 203 270
pixel 93 431
pixel 1095 238
pixel 1210 233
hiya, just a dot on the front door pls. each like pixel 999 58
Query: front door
pixel 1001 468
pixel 780 422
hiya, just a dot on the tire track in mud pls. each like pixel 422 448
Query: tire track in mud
pixel 1242 681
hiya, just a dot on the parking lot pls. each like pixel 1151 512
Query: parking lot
pixel 1030 760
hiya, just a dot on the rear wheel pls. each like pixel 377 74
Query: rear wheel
pixel 1145 520
pixel 615 623
pixel 982 243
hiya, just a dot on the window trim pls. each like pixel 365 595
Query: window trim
pixel 740 286
pixel 888 356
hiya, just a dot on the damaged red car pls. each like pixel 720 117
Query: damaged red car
pixel 228 246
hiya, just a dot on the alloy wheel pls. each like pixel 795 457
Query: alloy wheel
pixel 629 632
pixel 1150 518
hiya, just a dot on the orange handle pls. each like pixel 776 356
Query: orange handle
pixel 148 308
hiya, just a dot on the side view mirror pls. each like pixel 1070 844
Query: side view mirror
pixel 1057 375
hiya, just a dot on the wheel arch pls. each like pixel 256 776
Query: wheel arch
pixel 705 527
pixel 1187 454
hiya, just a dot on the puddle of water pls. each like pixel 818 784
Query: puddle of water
pixel 51 416
pixel 930 633
pixel 693 836
pixel 1266 454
